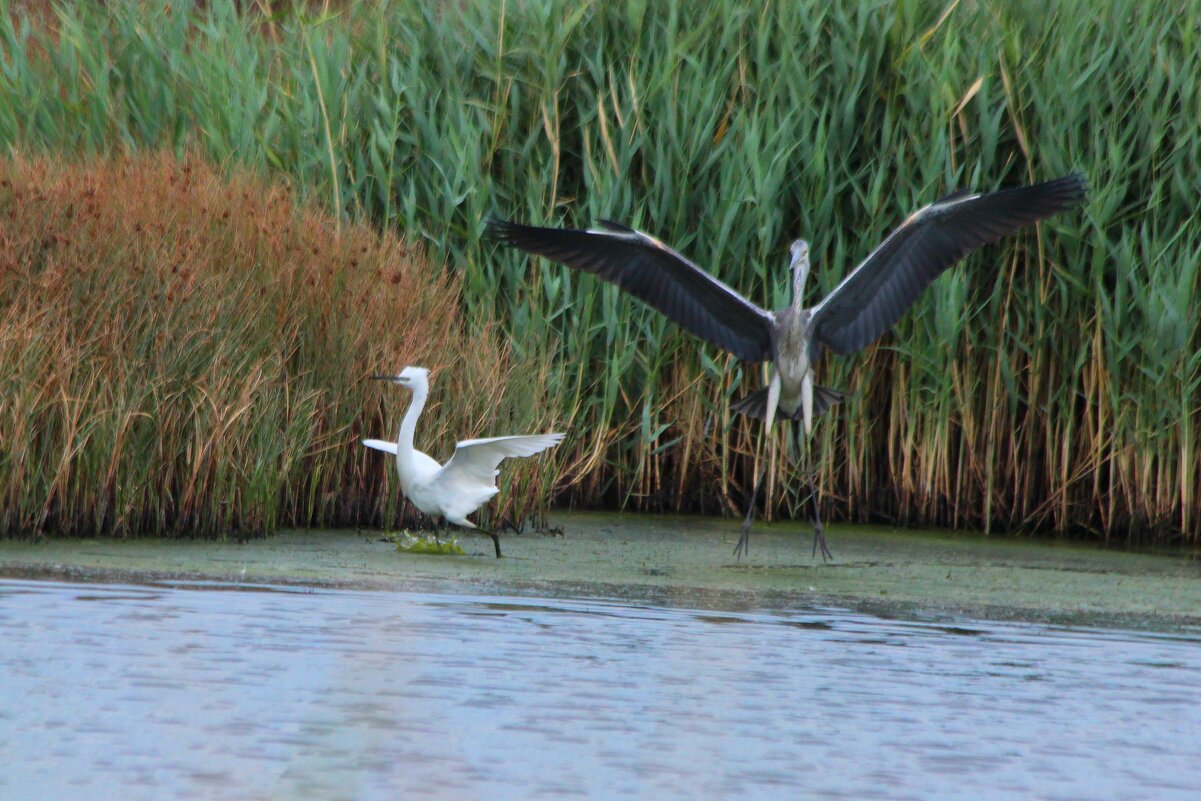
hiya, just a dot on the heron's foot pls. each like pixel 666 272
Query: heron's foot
pixel 819 540
pixel 744 542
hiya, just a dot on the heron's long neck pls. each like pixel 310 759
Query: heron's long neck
pixel 800 274
pixel 408 426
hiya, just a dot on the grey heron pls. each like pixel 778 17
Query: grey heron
pixel 453 490
pixel 859 309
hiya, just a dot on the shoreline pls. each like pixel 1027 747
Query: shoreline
pixel 678 561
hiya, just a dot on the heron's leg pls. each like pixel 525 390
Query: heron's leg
pixel 743 547
pixel 744 542
pixel 819 534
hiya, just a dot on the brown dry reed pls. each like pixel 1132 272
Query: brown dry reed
pixel 185 353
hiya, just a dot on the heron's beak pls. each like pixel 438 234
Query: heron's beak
pixel 383 378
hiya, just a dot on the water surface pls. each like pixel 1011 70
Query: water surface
pixel 201 691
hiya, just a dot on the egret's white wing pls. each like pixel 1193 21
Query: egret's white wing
pixel 381 445
pixel 477 459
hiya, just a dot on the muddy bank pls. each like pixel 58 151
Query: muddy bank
pixel 684 561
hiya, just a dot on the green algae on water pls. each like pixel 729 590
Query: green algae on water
pixel 407 542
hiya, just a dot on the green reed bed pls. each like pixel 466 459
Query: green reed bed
pixel 1050 383
pixel 186 354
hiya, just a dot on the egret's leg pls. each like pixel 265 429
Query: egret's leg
pixel 819 534
pixel 472 528
pixel 495 540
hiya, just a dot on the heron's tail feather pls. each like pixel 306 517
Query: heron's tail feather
pixel 755 404
pixel 824 398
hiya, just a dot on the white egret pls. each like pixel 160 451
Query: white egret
pixel 861 308
pixel 465 483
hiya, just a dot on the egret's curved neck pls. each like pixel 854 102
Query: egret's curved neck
pixel 408 426
pixel 800 274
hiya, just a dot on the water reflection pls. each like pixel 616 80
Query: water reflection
pixel 184 692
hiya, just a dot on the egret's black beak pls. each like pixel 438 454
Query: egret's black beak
pixel 383 378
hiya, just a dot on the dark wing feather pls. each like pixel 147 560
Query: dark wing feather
pixel 755 404
pixel 655 274
pixel 888 281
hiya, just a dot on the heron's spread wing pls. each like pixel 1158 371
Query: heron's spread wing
pixel 476 459
pixel 381 445
pixel 879 290
pixel 654 273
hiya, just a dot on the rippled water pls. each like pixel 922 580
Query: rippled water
pixel 132 692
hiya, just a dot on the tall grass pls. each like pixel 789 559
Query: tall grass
pixel 1049 383
pixel 184 354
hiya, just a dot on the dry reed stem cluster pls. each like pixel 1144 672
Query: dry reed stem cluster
pixel 182 353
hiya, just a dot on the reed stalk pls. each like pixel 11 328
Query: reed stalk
pixel 1048 384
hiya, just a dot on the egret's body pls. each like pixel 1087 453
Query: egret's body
pixel 453 490
pixel 861 308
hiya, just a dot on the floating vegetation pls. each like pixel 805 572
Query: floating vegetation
pixel 407 542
